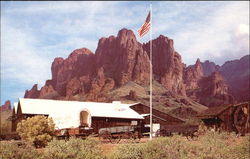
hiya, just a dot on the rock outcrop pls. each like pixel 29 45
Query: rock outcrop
pixel 209 67
pixel 79 63
pixel 214 91
pixel 33 93
pixel 121 59
pixel 192 75
pixel 167 64
pixel 209 89
pixel 237 75
pixel 6 106
pixel 99 87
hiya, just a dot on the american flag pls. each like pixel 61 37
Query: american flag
pixel 145 27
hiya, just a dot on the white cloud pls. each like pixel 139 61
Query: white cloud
pixel 26 54
pixel 214 37
pixel 50 7
pixel 19 58
pixel 34 33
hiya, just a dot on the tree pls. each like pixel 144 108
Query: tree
pixel 38 130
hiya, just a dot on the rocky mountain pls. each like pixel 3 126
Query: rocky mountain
pixel 123 58
pixel 208 89
pixel 6 106
pixel 209 67
pixel 214 91
pixel 192 75
pixel 236 74
pixel 167 64
pixel 119 70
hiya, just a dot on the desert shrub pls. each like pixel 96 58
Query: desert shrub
pixel 37 130
pixel 215 145
pixel 211 145
pixel 241 150
pixel 159 148
pixel 128 151
pixel 164 148
pixel 73 149
pixel 5 127
pixel 18 150
pixel 5 122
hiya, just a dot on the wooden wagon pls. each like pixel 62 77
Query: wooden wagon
pixel 228 118
pixel 115 134
pixel 81 132
pixel 189 131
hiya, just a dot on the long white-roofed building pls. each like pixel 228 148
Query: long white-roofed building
pixel 73 114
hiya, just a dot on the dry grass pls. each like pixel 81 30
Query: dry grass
pixel 215 145
pixel 5 123
pixel 162 99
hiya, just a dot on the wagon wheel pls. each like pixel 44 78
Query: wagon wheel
pixel 158 133
pixel 114 138
pixel 131 137
pixel 104 136
pixel 188 136
pixel 169 134
pixel 195 136
pixel 127 137
pixel 192 136
pixel 241 120
pixel 136 136
pixel 163 133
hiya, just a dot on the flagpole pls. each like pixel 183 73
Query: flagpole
pixel 151 76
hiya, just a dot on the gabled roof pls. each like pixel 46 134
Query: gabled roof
pixel 15 106
pixel 215 111
pixel 47 107
pixel 14 110
pixel 66 113
pixel 160 114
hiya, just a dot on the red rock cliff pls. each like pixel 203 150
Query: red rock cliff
pixel 121 59
pixel 167 64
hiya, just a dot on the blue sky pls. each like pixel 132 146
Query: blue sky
pixel 34 33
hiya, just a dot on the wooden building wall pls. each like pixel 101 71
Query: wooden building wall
pixel 19 116
pixel 105 122
pixel 158 116
pixel 225 120
pixel 97 122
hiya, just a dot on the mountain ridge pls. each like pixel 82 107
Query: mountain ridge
pixel 121 59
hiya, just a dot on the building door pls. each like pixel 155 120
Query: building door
pixel 85 118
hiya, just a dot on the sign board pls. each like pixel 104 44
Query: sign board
pixel 133 122
pixel 155 128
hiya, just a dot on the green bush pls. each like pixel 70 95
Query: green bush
pixel 18 150
pixel 128 151
pixel 211 145
pixel 169 148
pixel 241 151
pixel 215 145
pixel 159 148
pixel 37 130
pixel 73 149
pixel 5 123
